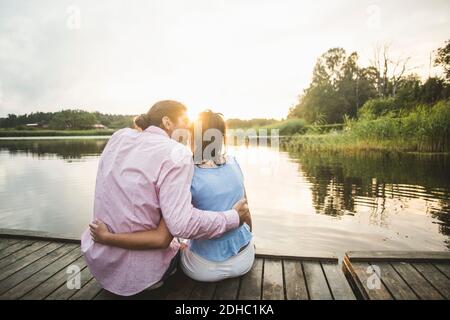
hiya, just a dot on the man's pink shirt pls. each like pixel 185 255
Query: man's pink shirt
pixel 141 177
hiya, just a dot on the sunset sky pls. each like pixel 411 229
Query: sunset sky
pixel 244 58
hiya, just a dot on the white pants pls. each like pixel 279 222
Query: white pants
pixel 200 269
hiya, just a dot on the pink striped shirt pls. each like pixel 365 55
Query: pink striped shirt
pixel 141 176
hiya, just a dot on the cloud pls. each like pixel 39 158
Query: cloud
pixel 243 58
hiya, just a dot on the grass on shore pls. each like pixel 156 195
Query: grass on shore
pixel 291 127
pixel 348 142
pixel 424 129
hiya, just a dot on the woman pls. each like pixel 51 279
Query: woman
pixel 216 185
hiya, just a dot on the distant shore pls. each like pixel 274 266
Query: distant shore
pixel 54 133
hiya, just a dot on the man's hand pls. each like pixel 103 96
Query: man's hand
pixel 99 231
pixel 242 209
pixel 163 233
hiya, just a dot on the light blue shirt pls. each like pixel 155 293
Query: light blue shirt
pixel 218 189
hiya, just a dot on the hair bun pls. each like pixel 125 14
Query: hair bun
pixel 141 122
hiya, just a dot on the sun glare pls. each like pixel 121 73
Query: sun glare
pixel 193 112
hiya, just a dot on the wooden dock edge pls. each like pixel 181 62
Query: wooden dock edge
pixel 37 235
pixel 369 257
pixel 260 253
pixel 397 256
pixel 354 281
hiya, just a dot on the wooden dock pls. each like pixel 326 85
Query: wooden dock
pixel 34 265
pixel 384 275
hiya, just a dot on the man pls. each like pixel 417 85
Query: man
pixel 139 180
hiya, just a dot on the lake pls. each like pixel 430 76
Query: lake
pixel 300 203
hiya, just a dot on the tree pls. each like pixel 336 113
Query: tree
pixel 433 90
pixel 67 119
pixel 339 87
pixel 443 59
pixel 408 92
pixel 390 71
pixel 72 119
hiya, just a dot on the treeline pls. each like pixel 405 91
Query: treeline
pixel 81 120
pixel 66 120
pixel 340 88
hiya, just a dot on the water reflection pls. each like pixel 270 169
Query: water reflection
pixel 68 149
pixel 380 184
pixel 308 202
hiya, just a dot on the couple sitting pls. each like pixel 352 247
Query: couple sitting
pixel 148 192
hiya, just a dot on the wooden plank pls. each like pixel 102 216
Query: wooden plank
pixel 53 283
pixel 34 267
pixel 362 278
pixel 273 287
pixel 316 281
pixel 396 256
pixel 251 283
pixel 16 256
pixel 88 291
pixel 15 247
pixel 180 286
pixel 339 286
pixel 295 281
pixel 38 235
pixel 42 275
pixel 394 283
pixel 64 293
pixel 27 260
pixel 264 253
pixel 227 289
pixel 435 277
pixel 416 281
pixel 203 291
pixel 444 268
pixel 5 243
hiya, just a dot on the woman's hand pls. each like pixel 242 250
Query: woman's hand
pixel 99 232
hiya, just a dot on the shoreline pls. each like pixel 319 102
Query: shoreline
pixel 292 143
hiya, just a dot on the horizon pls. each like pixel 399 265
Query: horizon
pixel 244 59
